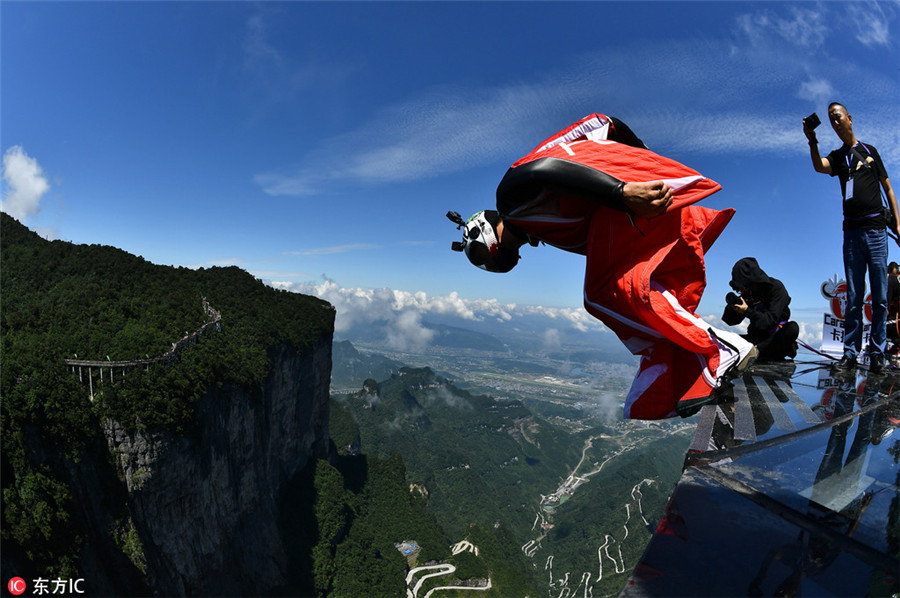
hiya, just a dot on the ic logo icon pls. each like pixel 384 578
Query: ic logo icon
pixel 17 586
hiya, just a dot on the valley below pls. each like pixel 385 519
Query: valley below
pixel 530 441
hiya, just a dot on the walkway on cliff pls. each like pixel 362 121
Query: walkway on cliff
pixel 214 321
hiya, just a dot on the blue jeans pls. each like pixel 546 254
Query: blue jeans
pixel 865 248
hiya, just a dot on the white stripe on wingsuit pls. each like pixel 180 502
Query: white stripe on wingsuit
pixel 623 319
pixel 645 380
pixel 729 357
pixel 684 181
pixel 593 128
pixel 694 320
pixel 679 309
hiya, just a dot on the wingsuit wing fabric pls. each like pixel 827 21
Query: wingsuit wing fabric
pixel 644 277
pixel 586 143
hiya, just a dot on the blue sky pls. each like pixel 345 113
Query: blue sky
pixel 319 145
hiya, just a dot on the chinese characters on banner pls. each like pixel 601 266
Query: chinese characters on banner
pixel 833 326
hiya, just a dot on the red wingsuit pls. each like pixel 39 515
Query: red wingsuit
pixel 644 277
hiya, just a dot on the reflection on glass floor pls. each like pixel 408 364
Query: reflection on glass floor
pixel 790 488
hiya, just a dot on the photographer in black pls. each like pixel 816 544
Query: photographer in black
pixel 765 302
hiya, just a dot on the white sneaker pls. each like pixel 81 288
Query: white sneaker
pixel 735 355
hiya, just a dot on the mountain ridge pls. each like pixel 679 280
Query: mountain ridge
pixel 162 479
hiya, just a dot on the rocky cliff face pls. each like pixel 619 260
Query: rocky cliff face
pixel 207 506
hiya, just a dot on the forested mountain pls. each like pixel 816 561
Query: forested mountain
pixel 66 301
pixel 491 465
pixel 454 446
pixel 606 524
pixel 93 302
pixel 476 456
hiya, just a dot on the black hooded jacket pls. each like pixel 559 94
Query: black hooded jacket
pixel 766 297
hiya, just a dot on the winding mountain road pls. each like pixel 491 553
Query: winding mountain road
pixel 439 570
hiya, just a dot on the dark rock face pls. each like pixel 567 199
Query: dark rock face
pixel 207 506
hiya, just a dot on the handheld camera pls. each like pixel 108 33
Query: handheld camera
pixel 812 121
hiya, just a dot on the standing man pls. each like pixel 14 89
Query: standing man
pixel 862 176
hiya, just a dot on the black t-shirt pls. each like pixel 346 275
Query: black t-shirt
pixel 864 208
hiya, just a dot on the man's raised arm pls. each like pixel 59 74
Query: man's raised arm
pixel 819 163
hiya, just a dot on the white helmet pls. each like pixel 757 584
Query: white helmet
pixel 480 241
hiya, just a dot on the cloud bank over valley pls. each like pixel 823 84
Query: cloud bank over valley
pixel 407 321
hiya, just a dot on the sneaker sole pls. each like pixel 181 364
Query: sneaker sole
pixel 689 407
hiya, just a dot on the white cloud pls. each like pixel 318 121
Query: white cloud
pixel 443 394
pixel 870 23
pixel 577 318
pixel 442 131
pixel 259 54
pixel 447 130
pixel 277 184
pixel 716 322
pixel 803 27
pixel 811 332
pixel 276 77
pixel 26 184
pixel 817 91
pixel 407 332
pixel 404 311
pixel 551 338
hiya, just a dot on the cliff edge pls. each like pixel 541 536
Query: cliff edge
pixel 207 507
pixel 144 476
